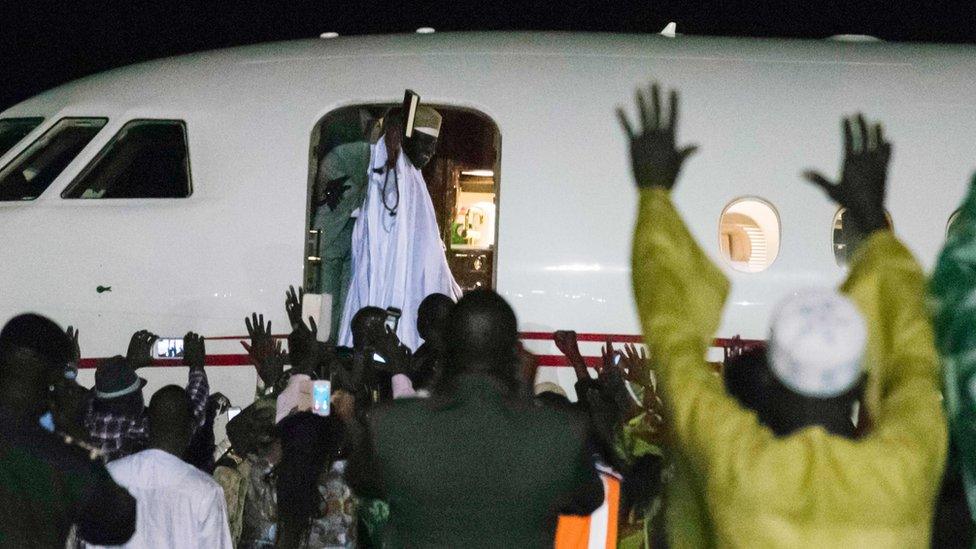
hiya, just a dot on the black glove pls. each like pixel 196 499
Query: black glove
pixel 194 350
pixel 655 158
pixel 863 178
pixel 140 347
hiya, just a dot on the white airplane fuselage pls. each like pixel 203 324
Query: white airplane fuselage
pixel 761 110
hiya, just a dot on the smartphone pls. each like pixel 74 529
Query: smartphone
pixel 393 318
pixel 168 347
pixel 321 397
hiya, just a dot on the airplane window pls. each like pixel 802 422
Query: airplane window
pixel 36 167
pixel 952 222
pixel 843 237
pixel 146 159
pixel 12 130
pixel 749 231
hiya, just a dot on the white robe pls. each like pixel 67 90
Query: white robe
pixel 399 260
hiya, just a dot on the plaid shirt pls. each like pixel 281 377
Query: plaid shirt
pixel 118 435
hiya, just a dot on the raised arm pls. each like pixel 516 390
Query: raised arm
pixel 679 292
pixel 197 385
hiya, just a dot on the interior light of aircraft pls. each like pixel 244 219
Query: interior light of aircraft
pixel 426 30
pixel 749 234
pixel 478 173
pixel 329 34
pixel 855 38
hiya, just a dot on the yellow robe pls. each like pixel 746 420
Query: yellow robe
pixel 738 485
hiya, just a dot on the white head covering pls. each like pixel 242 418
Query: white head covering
pixel 816 343
pixel 294 397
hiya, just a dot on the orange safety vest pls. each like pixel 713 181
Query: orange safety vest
pixel 599 529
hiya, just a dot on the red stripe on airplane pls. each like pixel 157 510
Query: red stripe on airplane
pixel 243 359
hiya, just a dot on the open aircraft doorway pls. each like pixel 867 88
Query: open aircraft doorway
pixel 462 180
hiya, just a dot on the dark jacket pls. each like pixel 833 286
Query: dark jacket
pixel 476 467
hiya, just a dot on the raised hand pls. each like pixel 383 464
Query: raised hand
pixel 303 347
pixel 609 357
pixel 140 349
pixel 264 350
pixel 863 177
pixel 568 345
pixel 293 305
pixel 654 155
pixel 75 347
pixel 194 350
pixel 635 363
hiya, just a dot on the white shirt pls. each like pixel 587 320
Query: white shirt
pixel 177 505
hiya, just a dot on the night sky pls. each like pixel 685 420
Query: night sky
pixel 44 43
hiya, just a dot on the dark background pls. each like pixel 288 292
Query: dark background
pixel 44 43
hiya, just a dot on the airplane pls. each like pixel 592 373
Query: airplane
pixel 173 195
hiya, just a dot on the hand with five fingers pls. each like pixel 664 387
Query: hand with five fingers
pixel 635 363
pixel 655 156
pixel 194 350
pixel 140 349
pixel 293 305
pixel 266 353
pixel 863 177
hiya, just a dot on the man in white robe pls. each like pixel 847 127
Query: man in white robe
pixel 398 255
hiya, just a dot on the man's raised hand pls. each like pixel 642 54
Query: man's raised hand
pixel 140 347
pixel 567 343
pixel 194 350
pixel 75 346
pixel 264 350
pixel 293 305
pixel 863 177
pixel 655 157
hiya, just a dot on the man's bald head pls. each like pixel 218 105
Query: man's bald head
pixel 367 324
pixel 432 315
pixel 33 346
pixel 170 419
pixel 34 352
pixel 482 336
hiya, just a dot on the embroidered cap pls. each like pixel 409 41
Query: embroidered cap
pixel 816 343
pixel 428 121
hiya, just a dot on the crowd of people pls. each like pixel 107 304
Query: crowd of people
pixel 833 432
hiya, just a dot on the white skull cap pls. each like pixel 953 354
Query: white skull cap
pixel 817 340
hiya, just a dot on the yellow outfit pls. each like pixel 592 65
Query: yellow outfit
pixel 737 484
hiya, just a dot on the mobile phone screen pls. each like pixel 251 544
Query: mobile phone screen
pixel 168 347
pixel 321 397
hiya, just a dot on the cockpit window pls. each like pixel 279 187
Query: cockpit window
pixel 30 173
pixel 12 130
pixel 146 159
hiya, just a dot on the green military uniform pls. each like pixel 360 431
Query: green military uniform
pixel 476 468
pixel 340 186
